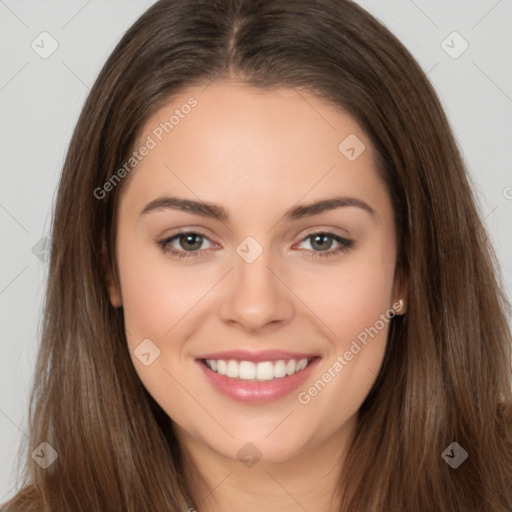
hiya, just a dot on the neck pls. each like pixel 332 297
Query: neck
pixel 307 480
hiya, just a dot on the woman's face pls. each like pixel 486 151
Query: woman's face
pixel 259 277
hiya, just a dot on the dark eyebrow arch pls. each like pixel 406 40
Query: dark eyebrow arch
pixel 219 213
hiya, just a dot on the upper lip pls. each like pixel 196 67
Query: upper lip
pixel 264 355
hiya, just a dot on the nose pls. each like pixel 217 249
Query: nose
pixel 256 295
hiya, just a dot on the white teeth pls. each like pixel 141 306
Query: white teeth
pixel 246 370
pixel 263 371
pixel 302 364
pixel 222 367
pixel 280 369
pixel 232 370
pixel 291 367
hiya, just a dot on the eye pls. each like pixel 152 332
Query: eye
pixel 191 244
pixel 323 241
pixel 190 241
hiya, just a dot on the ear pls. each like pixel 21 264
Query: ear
pixel 399 296
pixel 112 285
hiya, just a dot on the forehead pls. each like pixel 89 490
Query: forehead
pixel 258 146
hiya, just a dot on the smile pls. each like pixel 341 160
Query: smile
pixel 257 372
pixel 260 380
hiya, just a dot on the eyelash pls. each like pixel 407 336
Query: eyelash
pixel 164 244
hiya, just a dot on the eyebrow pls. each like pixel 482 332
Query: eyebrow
pixel 217 212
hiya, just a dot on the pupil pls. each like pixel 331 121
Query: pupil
pixel 322 245
pixel 324 237
pixel 189 239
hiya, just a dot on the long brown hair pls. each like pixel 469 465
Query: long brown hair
pixel 447 371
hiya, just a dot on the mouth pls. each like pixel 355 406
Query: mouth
pixel 250 371
pixel 255 379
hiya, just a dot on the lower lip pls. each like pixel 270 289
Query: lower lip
pixel 257 392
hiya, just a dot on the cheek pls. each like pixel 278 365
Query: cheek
pixel 351 297
pixel 156 299
pixel 156 294
pixel 363 297
pixel 354 303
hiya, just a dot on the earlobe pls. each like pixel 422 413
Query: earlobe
pixel 113 291
pixel 112 286
pixel 399 305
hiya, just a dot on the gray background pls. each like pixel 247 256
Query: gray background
pixel 40 99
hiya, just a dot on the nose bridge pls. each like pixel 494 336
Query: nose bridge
pixel 254 276
pixel 255 296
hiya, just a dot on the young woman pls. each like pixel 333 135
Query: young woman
pixel 269 286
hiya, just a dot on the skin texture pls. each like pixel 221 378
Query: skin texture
pixel 257 153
